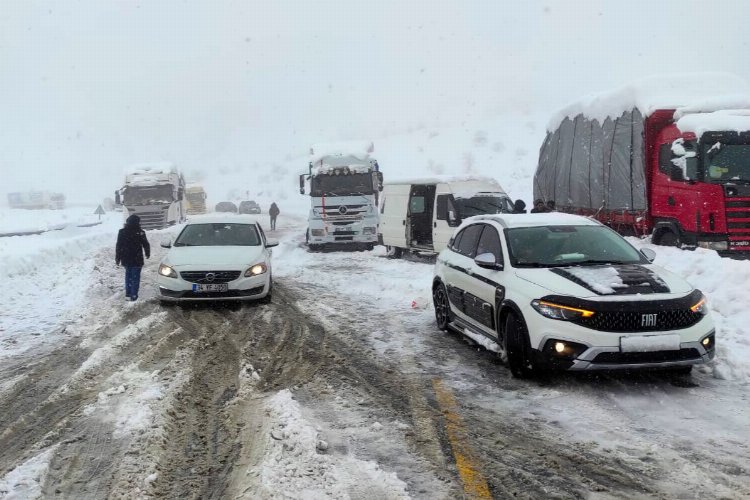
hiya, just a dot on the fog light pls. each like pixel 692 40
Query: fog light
pixel 559 347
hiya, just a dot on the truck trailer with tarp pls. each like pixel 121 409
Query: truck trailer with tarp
pixel 666 156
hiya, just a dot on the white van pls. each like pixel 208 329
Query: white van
pixel 421 215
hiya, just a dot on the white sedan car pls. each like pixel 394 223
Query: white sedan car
pixel 565 292
pixel 217 257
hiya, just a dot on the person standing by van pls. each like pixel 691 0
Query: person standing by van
pixel 131 245
pixel 273 212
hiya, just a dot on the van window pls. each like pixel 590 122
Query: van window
pixel 468 244
pixel 489 242
pixel 416 205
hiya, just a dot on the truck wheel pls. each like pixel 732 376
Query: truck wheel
pixel 370 247
pixel 668 238
pixel 517 348
pixel 393 252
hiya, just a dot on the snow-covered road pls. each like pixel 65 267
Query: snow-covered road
pixel 342 387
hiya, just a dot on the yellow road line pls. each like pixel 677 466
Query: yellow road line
pixel 475 485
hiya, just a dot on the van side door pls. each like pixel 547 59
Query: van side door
pixel 445 220
pixel 393 213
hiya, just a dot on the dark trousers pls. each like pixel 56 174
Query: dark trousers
pixel 273 222
pixel 132 281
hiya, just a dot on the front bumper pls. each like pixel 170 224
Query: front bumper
pixel 603 351
pixel 178 290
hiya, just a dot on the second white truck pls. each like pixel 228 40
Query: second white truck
pixel 156 193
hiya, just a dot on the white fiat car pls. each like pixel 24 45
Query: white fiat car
pixel 559 291
pixel 217 257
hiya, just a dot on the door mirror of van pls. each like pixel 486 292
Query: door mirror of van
pixel 453 219
pixel 166 243
pixel 649 254
pixel 487 261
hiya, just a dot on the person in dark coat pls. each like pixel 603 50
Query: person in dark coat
pixel 539 207
pixel 519 207
pixel 131 245
pixel 273 212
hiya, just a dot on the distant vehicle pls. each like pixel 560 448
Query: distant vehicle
pixel 420 215
pixel 560 291
pixel 226 206
pixel 249 207
pixel 37 200
pixel 155 192
pixel 217 257
pixel 663 156
pixel 345 183
pixel 195 196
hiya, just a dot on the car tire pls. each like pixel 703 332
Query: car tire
pixel 517 348
pixel 370 247
pixel 393 252
pixel 442 307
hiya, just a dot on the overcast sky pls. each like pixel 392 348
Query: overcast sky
pixel 90 86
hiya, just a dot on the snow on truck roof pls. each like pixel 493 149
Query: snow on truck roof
pixel 152 168
pixel 730 120
pixel 684 92
pixel 358 149
pixel 445 179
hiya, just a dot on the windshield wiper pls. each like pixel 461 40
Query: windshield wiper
pixel 593 262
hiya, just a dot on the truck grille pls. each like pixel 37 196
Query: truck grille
pixel 343 213
pixel 738 221
pixel 153 220
pixel 202 276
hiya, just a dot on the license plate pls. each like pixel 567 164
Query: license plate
pixel 650 343
pixel 212 287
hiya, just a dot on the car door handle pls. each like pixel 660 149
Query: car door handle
pixel 434 224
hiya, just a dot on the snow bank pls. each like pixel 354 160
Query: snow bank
pixel 732 120
pixel 26 480
pixel 19 221
pixel 295 462
pixel 696 91
pixel 724 282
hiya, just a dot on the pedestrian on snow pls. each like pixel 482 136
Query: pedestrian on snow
pixel 273 212
pixel 550 205
pixel 131 245
pixel 539 207
pixel 519 207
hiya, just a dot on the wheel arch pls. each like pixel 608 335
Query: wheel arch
pixel 506 308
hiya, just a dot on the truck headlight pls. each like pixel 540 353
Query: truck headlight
pixel 167 271
pixel 559 311
pixel 368 230
pixel 256 270
pixel 316 232
pixel 316 212
pixel 714 245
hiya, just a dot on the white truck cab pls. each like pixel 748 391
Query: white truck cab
pixel 420 215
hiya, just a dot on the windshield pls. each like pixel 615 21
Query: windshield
pixel 557 246
pixel 341 185
pixel 148 195
pixel 481 205
pixel 727 162
pixel 207 235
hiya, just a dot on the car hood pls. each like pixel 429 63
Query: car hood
pixel 602 281
pixel 214 256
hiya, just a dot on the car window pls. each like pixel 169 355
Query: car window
pixel 468 244
pixel 456 241
pixel 416 205
pixel 218 234
pixel 489 242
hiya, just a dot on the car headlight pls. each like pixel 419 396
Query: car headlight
pixel 559 311
pixel 167 271
pixel 256 270
pixel 701 306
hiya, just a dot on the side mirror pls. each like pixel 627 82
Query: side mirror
pixel 166 243
pixel 649 254
pixel 380 180
pixel 487 261
pixel 302 184
pixel 453 220
pixel 272 243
